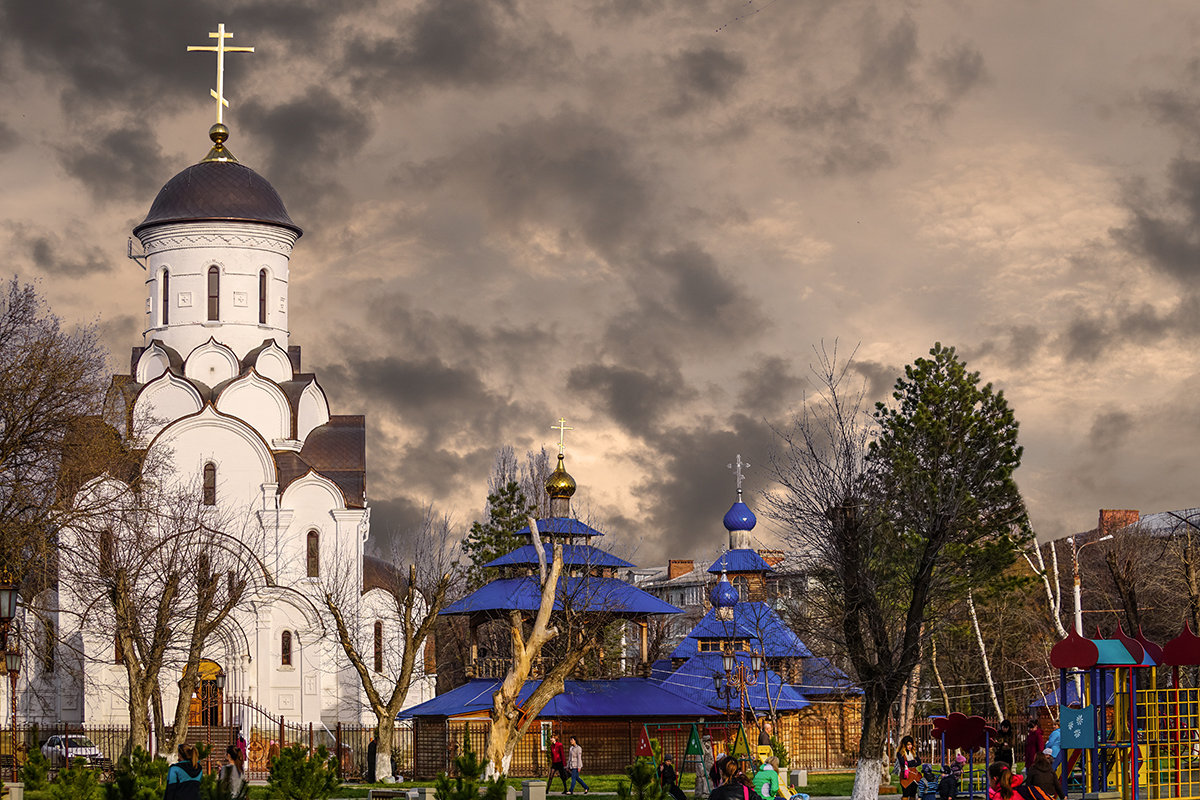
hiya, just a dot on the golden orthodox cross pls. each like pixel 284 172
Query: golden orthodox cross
pixel 737 466
pixel 220 35
pixel 562 429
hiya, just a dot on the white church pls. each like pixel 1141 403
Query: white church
pixel 217 392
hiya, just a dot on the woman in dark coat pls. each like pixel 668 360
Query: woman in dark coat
pixel 1042 775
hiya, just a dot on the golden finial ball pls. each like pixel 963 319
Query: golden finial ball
pixel 218 133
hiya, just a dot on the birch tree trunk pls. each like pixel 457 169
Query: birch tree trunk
pixel 938 675
pixel 987 668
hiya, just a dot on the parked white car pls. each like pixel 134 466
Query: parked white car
pixel 58 749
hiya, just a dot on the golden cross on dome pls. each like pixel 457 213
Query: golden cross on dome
pixel 737 466
pixel 562 429
pixel 220 35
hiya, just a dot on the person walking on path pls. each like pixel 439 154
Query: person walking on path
pixel 575 763
pixel 1004 743
pixel 1035 743
pixel 908 765
pixel 558 763
pixel 183 778
pixel 232 780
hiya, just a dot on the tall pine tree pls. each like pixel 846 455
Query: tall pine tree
pixel 507 512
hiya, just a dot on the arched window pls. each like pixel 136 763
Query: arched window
pixel 47 646
pixel 378 646
pixel 285 649
pixel 214 293
pixel 262 297
pixel 313 546
pixel 210 484
pixel 166 298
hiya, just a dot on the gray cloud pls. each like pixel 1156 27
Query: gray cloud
pixel 123 161
pixel 471 43
pixel 880 378
pixel 1166 231
pixel 1110 429
pixel 635 399
pixel 704 75
pixel 61 256
pixel 769 387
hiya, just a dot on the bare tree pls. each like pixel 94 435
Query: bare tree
pixel 154 577
pixel 413 604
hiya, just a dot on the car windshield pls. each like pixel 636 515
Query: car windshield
pixel 80 741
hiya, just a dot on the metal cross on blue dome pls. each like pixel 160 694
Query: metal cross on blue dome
pixel 737 468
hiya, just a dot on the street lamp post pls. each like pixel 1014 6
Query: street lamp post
pixel 1075 548
pixel 12 661
pixel 738 679
pixel 12 651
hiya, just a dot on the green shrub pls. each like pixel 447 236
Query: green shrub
pixel 36 771
pixel 139 776
pixel 643 783
pixel 465 785
pixel 780 751
pixel 295 775
pixel 76 782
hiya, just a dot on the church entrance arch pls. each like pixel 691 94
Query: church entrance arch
pixel 208 701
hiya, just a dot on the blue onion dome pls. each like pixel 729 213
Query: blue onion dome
pixel 739 517
pixel 560 484
pixel 724 594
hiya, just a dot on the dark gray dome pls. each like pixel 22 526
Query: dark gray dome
pixel 224 191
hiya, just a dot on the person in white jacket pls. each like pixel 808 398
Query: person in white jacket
pixel 575 763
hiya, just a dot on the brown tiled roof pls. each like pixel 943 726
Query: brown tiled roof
pixel 217 190
pixel 338 450
pixel 380 574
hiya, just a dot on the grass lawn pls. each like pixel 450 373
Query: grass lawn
pixel 819 785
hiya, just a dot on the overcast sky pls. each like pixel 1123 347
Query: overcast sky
pixel 643 214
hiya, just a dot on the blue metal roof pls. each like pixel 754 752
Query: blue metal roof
pixel 819 677
pixel 745 560
pixel 1072 698
pixel 622 697
pixel 573 554
pixel 694 680
pixel 561 526
pixel 755 621
pixel 588 593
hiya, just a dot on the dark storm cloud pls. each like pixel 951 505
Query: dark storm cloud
pixel 691 488
pixel 123 161
pixel 133 53
pixel 959 69
pixel 51 254
pixel 470 43
pixel 769 387
pixel 1016 346
pixel 9 138
pixel 1110 429
pixel 569 172
pixel 634 399
pixel 880 378
pixel 888 54
pixel 704 75
pixel 1084 339
pixel 684 302
pixel 1166 231
pixel 307 136
pixel 394 522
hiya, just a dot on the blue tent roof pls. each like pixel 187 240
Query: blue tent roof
pixel 755 621
pixel 622 697
pixel 573 554
pixel 1052 699
pixel 819 677
pixel 561 526
pixel 694 680
pixel 744 560
pixel 589 593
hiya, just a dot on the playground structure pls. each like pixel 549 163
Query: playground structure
pixel 1131 730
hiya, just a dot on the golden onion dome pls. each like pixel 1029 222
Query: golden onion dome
pixel 560 484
